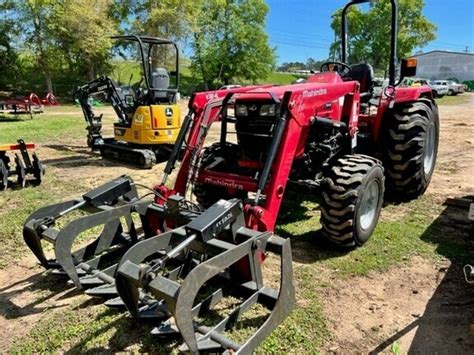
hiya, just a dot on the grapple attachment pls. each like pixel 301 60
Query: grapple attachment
pixel 111 206
pixel 24 165
pixel 182 276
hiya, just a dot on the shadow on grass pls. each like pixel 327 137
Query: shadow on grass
pixel 51 285
pixel 449 314
pixel 126 333
pixel 6 119
pixel 311 246
pixel 80 156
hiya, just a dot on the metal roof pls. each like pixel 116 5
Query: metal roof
pixel 441 51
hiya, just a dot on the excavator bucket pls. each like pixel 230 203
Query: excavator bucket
pixel 111 206
pixel 180 277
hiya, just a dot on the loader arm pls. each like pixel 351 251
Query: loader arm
pixel 108 87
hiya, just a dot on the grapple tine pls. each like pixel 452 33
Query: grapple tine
pixel 71 232
pixel 127 289
pixel 107 206
pixel 33 241
pixel 30 229
pixel 286 296
pixel 128 280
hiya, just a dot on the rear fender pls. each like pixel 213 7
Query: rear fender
pixel 402 95
pixel 411 94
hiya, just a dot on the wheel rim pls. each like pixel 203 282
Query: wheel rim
pixel 368 206
pixel 429 149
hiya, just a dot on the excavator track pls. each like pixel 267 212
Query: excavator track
pixel 143 158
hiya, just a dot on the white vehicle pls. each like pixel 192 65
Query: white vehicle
pixel 456 86
pixel 453 88
pixel 438 90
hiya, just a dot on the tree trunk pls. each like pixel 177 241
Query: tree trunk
pixel 91 73
pixel 49 82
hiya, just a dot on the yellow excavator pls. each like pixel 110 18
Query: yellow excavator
pixel 148 118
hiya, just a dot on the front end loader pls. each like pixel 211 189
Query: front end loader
pixel 195 264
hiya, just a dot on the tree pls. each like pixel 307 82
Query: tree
pixel 83 28
pixel 35 19
pixel 369 32
pixel 8 55
pixel 171 19
pixel 230 42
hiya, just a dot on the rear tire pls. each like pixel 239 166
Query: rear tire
pixel 352 198
pixel 411 146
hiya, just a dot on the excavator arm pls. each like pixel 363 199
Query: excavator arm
pixel 108 87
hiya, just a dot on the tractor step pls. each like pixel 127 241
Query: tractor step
pixel 24 165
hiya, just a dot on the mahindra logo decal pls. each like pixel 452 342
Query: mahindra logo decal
pixel 226 183
pixel 315 92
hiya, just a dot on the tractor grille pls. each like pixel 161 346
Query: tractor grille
pixel 254 125
pixel 136 135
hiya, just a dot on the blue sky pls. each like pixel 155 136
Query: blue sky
pixel 301 28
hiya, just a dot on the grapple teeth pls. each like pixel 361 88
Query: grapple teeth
pixel 180 296
pixel 128 292
pixel 102 291
pixel 110 206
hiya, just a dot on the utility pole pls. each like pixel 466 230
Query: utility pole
pixel 467 49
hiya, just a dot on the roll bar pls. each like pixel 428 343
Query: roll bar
pixel 393 39
pixel 145 58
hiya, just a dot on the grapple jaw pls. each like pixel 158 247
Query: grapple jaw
pixel 111 206
pixel 181 276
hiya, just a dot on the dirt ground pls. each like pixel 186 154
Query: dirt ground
pixel 423 306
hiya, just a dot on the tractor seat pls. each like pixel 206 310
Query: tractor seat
pixel 364 74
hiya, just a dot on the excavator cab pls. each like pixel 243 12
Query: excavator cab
pixel 148 117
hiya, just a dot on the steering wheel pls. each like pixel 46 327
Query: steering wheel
pixel 341 68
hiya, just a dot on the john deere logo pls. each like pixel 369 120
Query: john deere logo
pixel 138 118
pixel 169 112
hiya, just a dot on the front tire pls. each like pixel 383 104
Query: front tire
pixel 352 199
pixel 411 147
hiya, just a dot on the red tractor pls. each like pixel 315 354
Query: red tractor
pixel 327 136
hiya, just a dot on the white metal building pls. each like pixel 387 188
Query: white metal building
pixel 445 65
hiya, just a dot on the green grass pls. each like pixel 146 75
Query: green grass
pixel 454 100
pixel 279 78
pixel 18 204
pixel 43 127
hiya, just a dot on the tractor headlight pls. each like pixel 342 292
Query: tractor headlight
pixel 267 110
pixel 241 110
